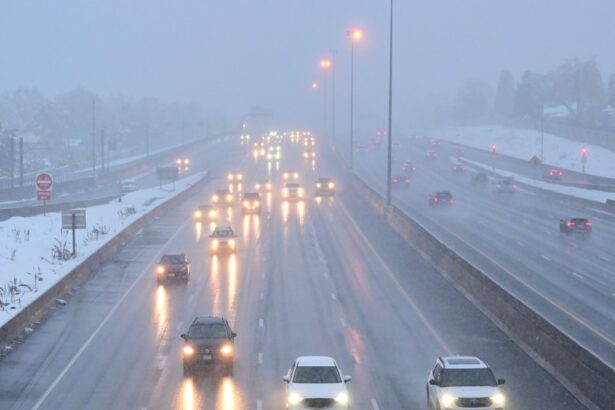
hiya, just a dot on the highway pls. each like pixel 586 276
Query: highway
pixel 320 277
pixel 516 240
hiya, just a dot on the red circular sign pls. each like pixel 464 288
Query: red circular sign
pixel 43 182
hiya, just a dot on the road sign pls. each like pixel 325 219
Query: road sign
pixel 44 182
pixel 43 195
pixel 535 161
pixel 167 173
pixel 67 219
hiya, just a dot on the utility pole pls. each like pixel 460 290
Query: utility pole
pixel 542 133
pixel 333 63
pixel 94 137
pixel 20 161
pixel 390 126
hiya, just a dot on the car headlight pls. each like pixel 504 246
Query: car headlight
pixel 294 399
pixel 226 350
pixel 186 161
pixel 342 398
pixel 198 214
pixel 212 214
pixel 232 243
pixel 179 162
pixel 448 400
pixel 331 185
pixel 239 177
pixel 246 203
pixel 188 350
pixel 498 400
pixel 214 244
pixel 268 186
pixel 160 269
pixel 215 198
pixel 256 203
pixel 229 198
pixel 230 177
pixel 257 187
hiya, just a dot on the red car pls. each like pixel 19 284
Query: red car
pixel 400 180
pixel 554 173
pixel 173 266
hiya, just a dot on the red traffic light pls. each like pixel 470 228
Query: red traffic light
pixel 584 151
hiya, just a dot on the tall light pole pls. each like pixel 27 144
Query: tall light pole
pixel 327 64
pixel 355 36
pixel 390 125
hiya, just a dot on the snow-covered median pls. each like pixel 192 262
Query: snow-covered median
pixel 524 144
pixel 35 253
pixel 588 194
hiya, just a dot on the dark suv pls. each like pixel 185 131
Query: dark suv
pixel 581 226
pixel 173 266
pixel 209 341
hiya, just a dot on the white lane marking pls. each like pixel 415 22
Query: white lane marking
pixel 259 405
pixel 261 322
pixel 260 357
pixel 333 296
pixel 343 321
pixel 262 295
pixel 102 324
pixel 604 258
pixel 601 211
pixel 375 405
pixel 577 275
pixel 545 257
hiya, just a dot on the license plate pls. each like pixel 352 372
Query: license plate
pixel 171 275
pixel 207 357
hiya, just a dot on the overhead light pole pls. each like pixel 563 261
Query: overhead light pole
pixel 355 36
pixel 390 125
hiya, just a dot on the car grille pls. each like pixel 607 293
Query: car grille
pixel 318 403
pixel 474 402
pixel 205 350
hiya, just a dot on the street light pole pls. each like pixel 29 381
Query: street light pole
pixel 351 103
pixel 333 62
pixel 390 125
pixel 542 133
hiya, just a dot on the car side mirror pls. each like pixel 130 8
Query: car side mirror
pixel 501 381
pixel 184 336
pixel 233 335
pixel 347 379
pixel 286 379
pixel 433 382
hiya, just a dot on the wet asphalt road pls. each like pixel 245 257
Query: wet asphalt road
pixel 324 277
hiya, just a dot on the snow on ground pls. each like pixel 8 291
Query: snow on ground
pixel 589 194
pixel 524 144
pixel 29 247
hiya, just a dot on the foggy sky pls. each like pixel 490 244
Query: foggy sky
pixel 231 54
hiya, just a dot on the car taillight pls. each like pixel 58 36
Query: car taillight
pixel 435 199
pixel 569 224
pixel 588 224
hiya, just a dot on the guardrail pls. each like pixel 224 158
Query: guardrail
pixel 39 308
pixel 589 379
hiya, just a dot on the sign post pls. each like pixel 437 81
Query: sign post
pixel 44 183
pixel 74 219
pixel 167 174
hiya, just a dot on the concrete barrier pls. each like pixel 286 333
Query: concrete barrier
pixel 590 380
pixel 39 308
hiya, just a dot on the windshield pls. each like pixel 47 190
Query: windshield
pixel 467 377
pixel 208 331
pixel 173 259
pixel 316 374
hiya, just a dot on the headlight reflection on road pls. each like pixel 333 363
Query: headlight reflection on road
pixel 162 310
pixel 232 282
pixel 285 208
pixel 246 228
pixel 269 202
pixel 318 200
pixel 227 395
pixel 313 165
pixel 215 284
pixel 301 211
pixel 257 226
pixel 188 395
pixel 198 227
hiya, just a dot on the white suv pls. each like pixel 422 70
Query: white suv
pixel 316 382
pixel 460 382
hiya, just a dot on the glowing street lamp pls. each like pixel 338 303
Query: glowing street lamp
pixel 355 35
pixel 325 63
pixel 314 85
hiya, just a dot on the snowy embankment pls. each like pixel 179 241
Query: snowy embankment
pixel 591 195
pixel 524 144
pixel 35 253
